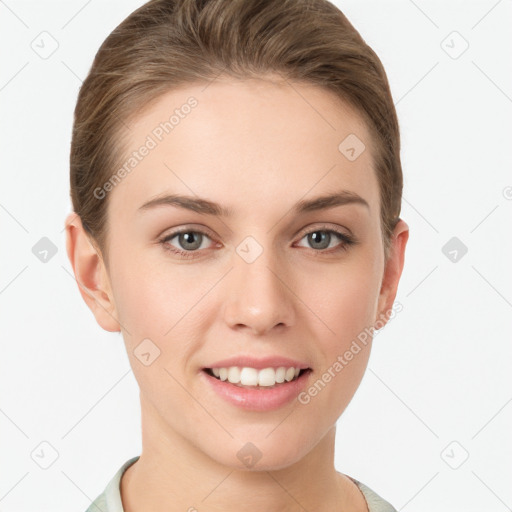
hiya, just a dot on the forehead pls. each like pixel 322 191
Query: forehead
pixel 241 142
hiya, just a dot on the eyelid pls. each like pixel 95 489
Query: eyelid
pixel 325 226
pixel 186 228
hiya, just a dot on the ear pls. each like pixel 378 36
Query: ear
pixel 90 274
pixel 392 272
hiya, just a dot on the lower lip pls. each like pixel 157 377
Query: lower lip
pixel 252 399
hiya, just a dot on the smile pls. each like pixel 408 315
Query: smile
pixel 252 377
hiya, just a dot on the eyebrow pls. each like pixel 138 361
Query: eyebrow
pixel 204 206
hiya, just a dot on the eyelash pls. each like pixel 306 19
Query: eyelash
pixel 346 240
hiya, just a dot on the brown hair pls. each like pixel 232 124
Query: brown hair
pixel 168 43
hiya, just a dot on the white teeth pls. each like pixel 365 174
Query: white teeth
pixel 234 374
pixel 252 377
pixel 249 377
pixel 290 373
pixel 280 373
pixel 266 377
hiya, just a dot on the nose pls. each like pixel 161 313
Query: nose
pixel 258 296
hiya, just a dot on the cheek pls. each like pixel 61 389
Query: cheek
pixel 147 301
pixel 344 306
pixel 162 303
pixel 342 302
pixel 152 309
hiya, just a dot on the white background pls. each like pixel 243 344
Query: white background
pixel 439 374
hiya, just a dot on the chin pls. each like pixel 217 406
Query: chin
pixel 266 455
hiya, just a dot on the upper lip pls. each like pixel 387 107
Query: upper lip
pixel 259 363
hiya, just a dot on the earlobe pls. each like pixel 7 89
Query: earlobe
pixel 392 272
pixel 90 274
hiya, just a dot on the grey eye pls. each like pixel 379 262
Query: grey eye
pixel 319 239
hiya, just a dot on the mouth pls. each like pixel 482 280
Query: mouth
pixel 252 378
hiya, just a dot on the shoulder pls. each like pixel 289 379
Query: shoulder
pixel 374 501
pixel 110 499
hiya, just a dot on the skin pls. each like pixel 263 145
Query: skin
pixel 256 146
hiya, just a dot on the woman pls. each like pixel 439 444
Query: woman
pixel 236 186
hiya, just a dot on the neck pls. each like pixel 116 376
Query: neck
pixel 172 474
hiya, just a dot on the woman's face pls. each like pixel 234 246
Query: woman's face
pixel 269 280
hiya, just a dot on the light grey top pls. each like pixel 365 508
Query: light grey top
pixel 110 499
